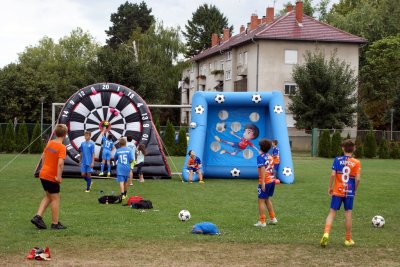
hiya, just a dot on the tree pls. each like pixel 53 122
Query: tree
pixel 1 138
pixel 129 18
pixel 381 80
pixel 206 20
pixel 308 8
pixel 394 150
pixel 324 146
pixel 359 153
pixel 383 150
pixel 336 149
pixel 169 139
pixel 36 140
pixel 326 93
pixel 9 139
pixel 182 143
pixel 370 145
pixel 22 140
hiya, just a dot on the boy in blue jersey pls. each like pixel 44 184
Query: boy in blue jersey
pixel 131 145
pixel 124 157
pixel 275 156
pixel 86 160
pixel 108 146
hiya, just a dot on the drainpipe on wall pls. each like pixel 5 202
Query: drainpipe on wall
pixel 258 52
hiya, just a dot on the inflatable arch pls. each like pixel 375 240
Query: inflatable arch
pixel 125 112
pixel 219 123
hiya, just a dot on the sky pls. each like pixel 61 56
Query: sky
pixel 25 22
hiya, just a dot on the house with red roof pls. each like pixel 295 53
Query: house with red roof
pixel 262 55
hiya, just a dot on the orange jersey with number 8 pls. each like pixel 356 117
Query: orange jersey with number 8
pixel 346 169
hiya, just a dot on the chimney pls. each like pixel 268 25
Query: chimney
pixel 289 8
pixel 254 21
pixel 270 15
pixel 226 34
pixel 214 39
pixel 299 11
pixel 242 28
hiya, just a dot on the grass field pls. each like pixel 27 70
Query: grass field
pixel 116 235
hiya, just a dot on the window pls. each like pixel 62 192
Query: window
pixel 290 56
pixel 222 65
pixel 210 68
pixel 228 55
pixel 240 59
pixel 192 70
pixel 204 69
pixel 245 58
pixel 228 75
pixel 290 88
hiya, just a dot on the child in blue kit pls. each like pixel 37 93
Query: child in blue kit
pixel 124 157
pixel 108 146
pixel 86 159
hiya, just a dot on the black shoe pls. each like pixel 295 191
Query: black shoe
pixel 58 226
pixel 37 220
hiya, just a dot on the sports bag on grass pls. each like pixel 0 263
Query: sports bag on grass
pixel 110 200
pixel 142 204
pixel 134 199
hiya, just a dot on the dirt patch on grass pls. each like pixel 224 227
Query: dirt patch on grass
pixel 213 254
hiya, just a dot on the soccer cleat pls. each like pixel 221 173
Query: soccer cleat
pixel 124 197
pixel 38 221
pixel 201 182
pixel 58 226
pixel 324 240
pixel 141 180
pixel 131 184
pixel 349 243
pixel 101 174
pixel 260 224
pixel 108 174
pixel 274 221
pixel 87 191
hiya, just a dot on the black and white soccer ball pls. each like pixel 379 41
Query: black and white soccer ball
pixel 278 109
pixel 378 221
pixel 184 215
pixel 235 172
pixel 256 98
pixel 219 98
pixel 287 171
pixel 199 109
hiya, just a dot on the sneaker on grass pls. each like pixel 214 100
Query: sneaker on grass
pixel 260 224
pixel 38 221
pixel 58 226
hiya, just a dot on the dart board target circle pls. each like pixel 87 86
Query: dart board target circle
pixel 114 107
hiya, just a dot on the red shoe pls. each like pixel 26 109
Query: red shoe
pixel 47 251
pixel 31 254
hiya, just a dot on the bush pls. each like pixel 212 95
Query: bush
pixel 22 140
pixel 394 150
pixel 359 153
pixel 9 139
pixel 36 140
pixel 169 139
pixel 370 145
pixel 182 143
pixel 324 146
pixel 1 138
pixel 336 149
pixel 383 150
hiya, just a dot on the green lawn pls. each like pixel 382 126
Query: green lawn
pixel 231 204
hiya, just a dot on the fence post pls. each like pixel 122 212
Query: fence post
pixel 314 142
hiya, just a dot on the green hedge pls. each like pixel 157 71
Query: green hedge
pixel 370 145
pixel 324 146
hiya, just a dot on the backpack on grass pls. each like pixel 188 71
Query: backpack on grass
pixel 110 200
pixel 142 204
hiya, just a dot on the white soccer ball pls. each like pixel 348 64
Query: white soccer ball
pixel 219 98
pixel 193 125
pixel 184 215
pixel 235 172
pixel 199 109
pixel 256 98
pixel 378 221
pixel 287 171
pixel 278 109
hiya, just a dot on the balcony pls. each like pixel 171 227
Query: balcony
pixel 218 75
pixel 201 79
pixel 241 70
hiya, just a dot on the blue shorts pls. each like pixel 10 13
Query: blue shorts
pixel 337 202
pixel 106 155
pixel 86 169
pixel 269 191
pixel 122 178
pixel 276 167
pixel 193 169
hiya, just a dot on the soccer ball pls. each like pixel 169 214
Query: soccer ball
pixel 287 171
pixel 378 221
pixel 235 172
pixel 220 99
pixel 256 98
pixel 278 109
pixel 184 215
pixel 193 125
pixel 199 109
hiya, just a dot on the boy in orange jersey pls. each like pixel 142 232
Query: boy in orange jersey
pixel 50 176
pixel 266 184
pixel 194 165
pixel 344 181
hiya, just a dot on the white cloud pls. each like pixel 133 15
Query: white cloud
pixel 25 22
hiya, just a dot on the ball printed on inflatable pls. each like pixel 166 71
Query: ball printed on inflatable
pixel 378 221
pixel 193 125
pixel 184 215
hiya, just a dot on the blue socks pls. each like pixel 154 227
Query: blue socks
pixel 109 167
pixel 102 167
pixel 88 182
